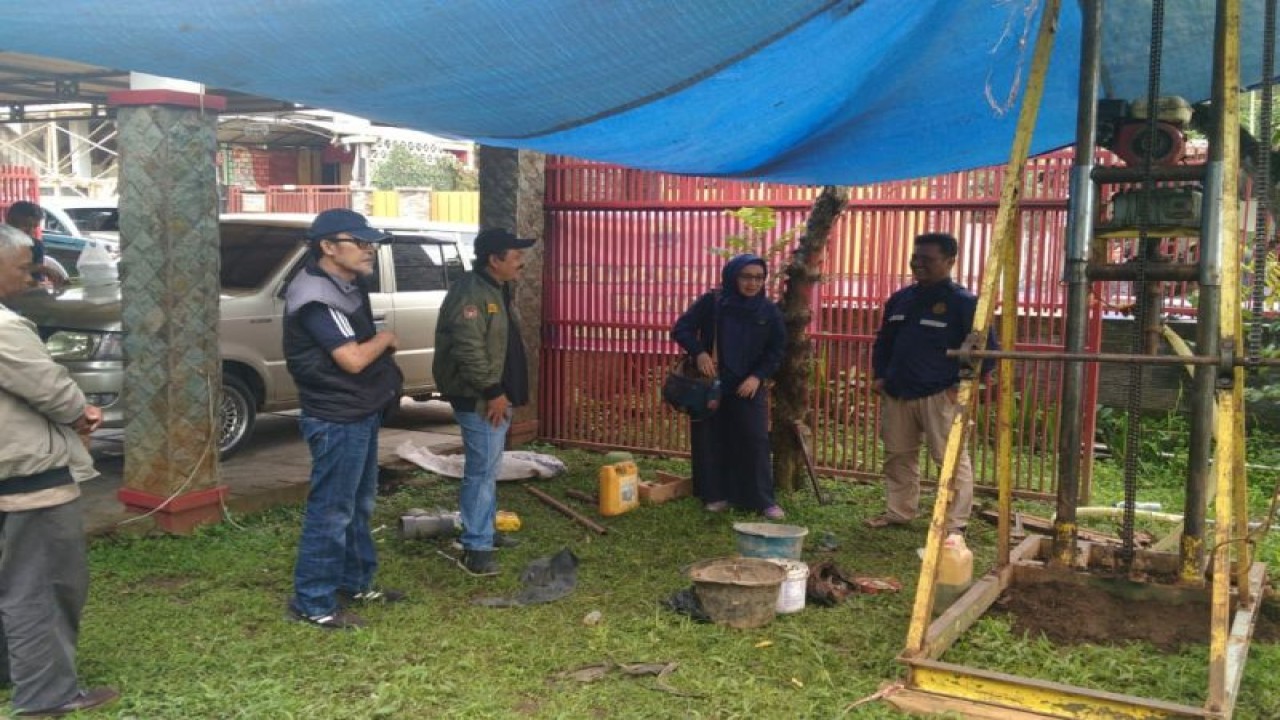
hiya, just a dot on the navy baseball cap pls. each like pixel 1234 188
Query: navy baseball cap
pixel 340 220
pixel 496 240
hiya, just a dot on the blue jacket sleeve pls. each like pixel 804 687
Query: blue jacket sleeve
pixel 775 346
pixel 882 348
pixel 993 341
pixel 693 325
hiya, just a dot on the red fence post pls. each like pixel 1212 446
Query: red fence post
pixel 17 182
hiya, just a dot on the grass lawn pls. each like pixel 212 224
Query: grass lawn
pixel 194 627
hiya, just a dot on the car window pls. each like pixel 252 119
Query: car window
pixel 419 267
pixel 455 263
pixel 90 219
pixel 252 253
pixel 54 225
pixel 372 283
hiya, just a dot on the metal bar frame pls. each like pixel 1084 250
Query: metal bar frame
pixel 981 693
pixel 1215 360
pixel 961 689
pixel 1005 247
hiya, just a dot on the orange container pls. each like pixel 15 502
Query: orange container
pixel 619 488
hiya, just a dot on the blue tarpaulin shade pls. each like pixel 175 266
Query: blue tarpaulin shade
pixel 806 91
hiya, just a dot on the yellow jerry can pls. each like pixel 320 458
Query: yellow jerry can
pixel 619 488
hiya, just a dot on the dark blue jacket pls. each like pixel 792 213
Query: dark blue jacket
pixel 751 337
pixel 325 390
pixel 920 324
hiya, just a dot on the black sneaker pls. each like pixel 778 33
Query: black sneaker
pixel 372 596
pixel 336 620
pixel 480 563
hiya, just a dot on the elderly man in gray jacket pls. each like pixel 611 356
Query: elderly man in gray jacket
pixel 44 574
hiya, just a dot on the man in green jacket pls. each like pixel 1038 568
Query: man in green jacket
pixel 44 573
pixel 481 369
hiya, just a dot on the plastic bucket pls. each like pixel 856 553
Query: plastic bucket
pixel 738 592
pixel 770 540
pixel 792 591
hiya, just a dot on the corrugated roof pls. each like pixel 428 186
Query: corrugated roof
pixel 30 83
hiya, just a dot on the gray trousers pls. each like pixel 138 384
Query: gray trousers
pixel 44 580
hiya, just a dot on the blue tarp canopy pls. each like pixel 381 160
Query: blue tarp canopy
pixel 804 91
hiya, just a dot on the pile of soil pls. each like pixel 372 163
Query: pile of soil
pixel 1070 614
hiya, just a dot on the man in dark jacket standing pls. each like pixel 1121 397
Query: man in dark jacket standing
pixel 347 379
pixel 481 369
pixel 44 574
pixel 917 382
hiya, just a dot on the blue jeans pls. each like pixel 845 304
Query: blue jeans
pixel 336 550
pixel 478 496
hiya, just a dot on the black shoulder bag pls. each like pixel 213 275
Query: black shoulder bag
pixel 688 390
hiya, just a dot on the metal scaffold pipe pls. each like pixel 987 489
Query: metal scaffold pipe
pixel 1079 237
pixel 1123 358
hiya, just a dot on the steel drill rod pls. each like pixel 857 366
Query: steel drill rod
pixel 569 512
pixel 966 356
pixel 582 496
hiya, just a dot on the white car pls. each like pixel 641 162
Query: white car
pixel 81 217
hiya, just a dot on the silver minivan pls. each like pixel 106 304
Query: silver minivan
pixel 259 254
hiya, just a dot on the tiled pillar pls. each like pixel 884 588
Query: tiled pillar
pixel 170 291
pixel 512 189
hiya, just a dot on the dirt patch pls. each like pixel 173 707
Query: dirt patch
pixel 1069 614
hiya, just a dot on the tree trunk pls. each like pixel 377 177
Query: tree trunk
pixel 791 388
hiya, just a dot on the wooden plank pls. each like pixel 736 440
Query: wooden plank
pixel 915 702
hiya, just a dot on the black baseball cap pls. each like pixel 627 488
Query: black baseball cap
pixel 496 240
pixel 340 220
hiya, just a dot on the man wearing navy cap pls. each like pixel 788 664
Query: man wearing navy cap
pixel 481 369
pixel 347 379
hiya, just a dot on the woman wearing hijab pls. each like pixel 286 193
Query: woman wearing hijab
pixel 735 332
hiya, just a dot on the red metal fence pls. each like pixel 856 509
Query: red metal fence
pixel 628 250
pixel 307 198
pixel 17 182
pixel 288 198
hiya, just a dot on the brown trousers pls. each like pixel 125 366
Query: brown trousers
pixel 902 424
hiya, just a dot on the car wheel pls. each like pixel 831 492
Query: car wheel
pixel 237 413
